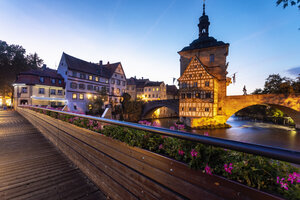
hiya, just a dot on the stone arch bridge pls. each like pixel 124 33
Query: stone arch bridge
pixel 153 105
pixel 289 104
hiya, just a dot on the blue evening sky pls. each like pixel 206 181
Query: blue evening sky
pixel 145 35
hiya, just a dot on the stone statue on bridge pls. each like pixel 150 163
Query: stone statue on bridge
pixel 245 90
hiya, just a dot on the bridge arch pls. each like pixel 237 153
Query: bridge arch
pixel 151 106
pixel 288 104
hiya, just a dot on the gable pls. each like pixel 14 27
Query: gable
pixel 195 71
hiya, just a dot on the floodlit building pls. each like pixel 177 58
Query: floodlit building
pixel 203 81
pixel 155 91
pixel 84 80
pixel 42 87
pixel 135 87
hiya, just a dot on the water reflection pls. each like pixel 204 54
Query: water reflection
pixel 251 132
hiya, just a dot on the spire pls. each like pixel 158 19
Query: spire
pixel 203 23
pixel 203 7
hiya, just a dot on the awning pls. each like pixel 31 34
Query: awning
pixel 49 99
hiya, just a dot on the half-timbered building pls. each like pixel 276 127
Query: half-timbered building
pixel 203 81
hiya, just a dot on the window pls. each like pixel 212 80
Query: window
pixel 123 83
pixel 153 89
pixel 116 75
pixel 41 90
pixel 194 109
pixel 195 84
pixel 207 95
pixel 206 83
pixel 89 96
pixel 53 81
pixel 157 89
pixel 74 74
pixel 24 90
pixel 206 109
pixel 83 76
pixel 182 108
pixel 75 107
pixel 81 86
pixel 42 79
pixel 106 80
pixel 96 88
pixel 90 87
pixel 189 95
pixel 59 82
pixel 156 95
pixel 112 90
pixel 112 81
pixel 90 77
pixel 146 95
pixel 118 90
pixel 152 95
pixel 211 58
pixel 74 96
pixel 190 109
pixel 183 96
pixel 118 82
pixel 59 92
pixel 52 91
pixel 73 85
pixel 81 96
pixel 198 95
pixel 121 76
pixel 95 97
pixel 96 78
pixel 90 107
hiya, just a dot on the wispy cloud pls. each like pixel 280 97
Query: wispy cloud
pixel 295 71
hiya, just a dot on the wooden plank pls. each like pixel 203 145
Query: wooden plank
pixel 30 166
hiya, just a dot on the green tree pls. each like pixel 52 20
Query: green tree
pixel 286 3
pixel 96 106
pixel 13 60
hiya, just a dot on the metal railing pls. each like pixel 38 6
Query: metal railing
pixel 261 150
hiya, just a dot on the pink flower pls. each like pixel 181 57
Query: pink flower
pixel 148 124
pixel 207 170
pixel 228 168
pixel 172 128
pixel 160 146
pixel 194 153
pixel 206 133
pixel 163 136
pixel 180 126
pixel 180 152
pixel 284 185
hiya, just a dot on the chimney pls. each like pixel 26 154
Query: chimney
pixel 142 78
pixel 135 77
pixel 44 67
pixel 100 62
pixel 107 62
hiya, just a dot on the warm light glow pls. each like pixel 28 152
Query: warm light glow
pixel 89 96
pixel 95 97
pixel 8 102
pixel 0 101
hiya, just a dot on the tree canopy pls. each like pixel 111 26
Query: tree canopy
pixel 13 60
pixel 286 3
pixel 275 84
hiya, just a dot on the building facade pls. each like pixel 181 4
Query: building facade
pixel 44 87
pixel 84 81
pixel 203 81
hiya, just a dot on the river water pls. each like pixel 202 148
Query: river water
pixel 250 132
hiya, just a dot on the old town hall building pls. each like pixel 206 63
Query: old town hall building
pixel 203 81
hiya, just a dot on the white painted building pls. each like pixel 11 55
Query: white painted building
pixel 42 87
pixel 84 80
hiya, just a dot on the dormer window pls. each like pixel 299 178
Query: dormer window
pixel 212 58
pixel 53 81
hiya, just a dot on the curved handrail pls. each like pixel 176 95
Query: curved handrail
pixel 261 150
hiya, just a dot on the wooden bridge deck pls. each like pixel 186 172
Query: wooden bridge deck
pixel 32 168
